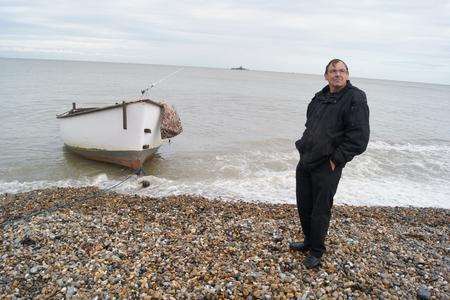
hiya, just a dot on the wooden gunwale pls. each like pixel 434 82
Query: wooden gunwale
pixel 83 111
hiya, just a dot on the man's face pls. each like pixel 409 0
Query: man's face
pixel 337 76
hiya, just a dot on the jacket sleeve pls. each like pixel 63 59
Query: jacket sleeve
pixel 356 130
pixel 308 113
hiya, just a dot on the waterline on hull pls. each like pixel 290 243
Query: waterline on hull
pixel 131 159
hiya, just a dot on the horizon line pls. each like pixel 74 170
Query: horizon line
pixel 209 67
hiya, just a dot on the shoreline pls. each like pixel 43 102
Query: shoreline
pixel 116 245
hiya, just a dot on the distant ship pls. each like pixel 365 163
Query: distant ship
pixel 240 68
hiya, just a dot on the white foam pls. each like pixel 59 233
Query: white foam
pixel 393 192
pixel 409 147
pixel 387 174
pixel 273 187
pixel 280 188
pixel 16 186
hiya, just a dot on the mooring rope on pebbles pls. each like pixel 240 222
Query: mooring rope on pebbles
pixel 61 206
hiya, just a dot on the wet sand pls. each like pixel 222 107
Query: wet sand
pixel 120 246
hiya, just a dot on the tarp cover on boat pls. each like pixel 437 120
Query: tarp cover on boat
pixel 170 122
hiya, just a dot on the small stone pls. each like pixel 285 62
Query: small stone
pixel 423 293
pixel 28 241
pixel 349 284
pixel 70 291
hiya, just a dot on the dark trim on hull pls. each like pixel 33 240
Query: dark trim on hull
pixel 131 159
pixel 87 110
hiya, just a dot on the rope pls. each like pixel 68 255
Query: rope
pixel 159 81
pixel 60 206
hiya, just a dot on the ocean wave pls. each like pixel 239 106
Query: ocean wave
pixel 442 147
pixel 387 174
pixel 273 187
pixel 16 186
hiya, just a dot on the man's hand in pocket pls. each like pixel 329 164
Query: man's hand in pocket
pixel 333 166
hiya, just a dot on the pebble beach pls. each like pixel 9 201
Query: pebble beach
pixel 91 244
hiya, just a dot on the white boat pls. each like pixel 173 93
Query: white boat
pixel 126 133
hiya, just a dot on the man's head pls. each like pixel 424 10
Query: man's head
pixel 336 73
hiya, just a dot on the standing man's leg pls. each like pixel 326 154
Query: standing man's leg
pixel 304 206
pixel 324 183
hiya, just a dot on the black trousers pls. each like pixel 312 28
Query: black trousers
pixel 315 190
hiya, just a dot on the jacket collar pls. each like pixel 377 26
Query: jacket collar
pixel 325 95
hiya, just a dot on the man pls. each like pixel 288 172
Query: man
pixel 337 129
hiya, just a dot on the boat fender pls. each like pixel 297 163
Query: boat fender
pixel 145 183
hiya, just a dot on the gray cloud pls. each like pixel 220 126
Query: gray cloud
pixel 379 39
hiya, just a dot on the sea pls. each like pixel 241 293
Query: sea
pixel 238 138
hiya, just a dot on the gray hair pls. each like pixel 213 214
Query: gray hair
pixel 333 62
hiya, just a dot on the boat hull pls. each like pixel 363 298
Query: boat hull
pixel 126 135
pixel 131 159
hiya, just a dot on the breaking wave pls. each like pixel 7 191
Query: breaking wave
pixel 387 174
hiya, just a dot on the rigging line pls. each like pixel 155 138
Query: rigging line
pixel 159 81
pixel 59 206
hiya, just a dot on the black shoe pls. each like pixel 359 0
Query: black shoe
pixel 311 262
pixel 298 246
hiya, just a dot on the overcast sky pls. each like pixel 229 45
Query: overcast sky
pixel 387 39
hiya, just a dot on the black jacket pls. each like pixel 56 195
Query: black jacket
pixel 337 127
